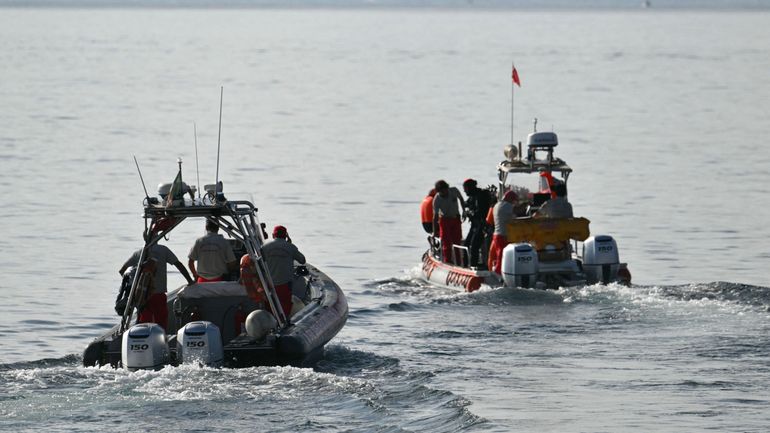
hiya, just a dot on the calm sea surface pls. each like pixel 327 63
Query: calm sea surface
pixel 336 123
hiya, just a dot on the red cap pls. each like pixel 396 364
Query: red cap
pixel 280 232
pixel 469 181
pixel 510 197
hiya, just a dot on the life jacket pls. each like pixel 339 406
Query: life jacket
pixel 250 280
pixel 146 284
pixel 491 216
pixel 426 209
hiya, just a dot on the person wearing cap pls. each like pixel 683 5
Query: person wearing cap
pixel 214 256
pixel 280 255
pixel 446 218
pixel 155 309
pixel 426 211
pixel 503 215
pixel 476 209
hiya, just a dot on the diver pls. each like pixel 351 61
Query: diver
pixel 476 209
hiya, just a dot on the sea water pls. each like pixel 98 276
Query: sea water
pixel 336 123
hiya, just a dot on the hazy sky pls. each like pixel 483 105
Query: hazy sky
pixel 764 4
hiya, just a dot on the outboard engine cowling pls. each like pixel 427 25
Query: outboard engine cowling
pixel 519 265
pixel 601 259
pixel 144 345
pixel 200 342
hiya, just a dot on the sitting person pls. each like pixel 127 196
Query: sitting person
pixel 280 255
pixel 214 256
pixel 557 207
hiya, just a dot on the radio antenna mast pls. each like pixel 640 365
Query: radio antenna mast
pixel 219 138
pixel 146 194
pixel 197 168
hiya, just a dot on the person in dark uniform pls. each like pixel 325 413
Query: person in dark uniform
pixel 476 209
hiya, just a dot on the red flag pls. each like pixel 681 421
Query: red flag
pixel 515 76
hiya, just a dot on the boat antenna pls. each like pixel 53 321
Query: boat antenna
pixel 146 194
pixel 219 138
pixel 197 168
pixel 535 126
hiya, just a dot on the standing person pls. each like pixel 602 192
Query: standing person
pixel 489 229
pixel 503 214
pixel 476 209
pixel 446 218
pixel 214 256
pixel 280 255
pixel 426 211
pixel 156 310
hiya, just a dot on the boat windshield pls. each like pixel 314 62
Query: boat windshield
pixel 535 188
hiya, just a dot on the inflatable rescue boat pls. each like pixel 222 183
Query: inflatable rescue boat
pixel 544 253
pixel 221 323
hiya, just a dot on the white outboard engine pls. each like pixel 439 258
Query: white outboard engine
pixel 601 260
pixel 144 346
pixel 519 265
pixel 200 343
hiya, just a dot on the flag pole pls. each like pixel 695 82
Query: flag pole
pixel 513 68
pixel 514 82
pixel 219 140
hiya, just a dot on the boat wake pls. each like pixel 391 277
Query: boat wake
pixel 732 296
pixel 367 391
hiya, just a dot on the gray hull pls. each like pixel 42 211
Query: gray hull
pixel 301 343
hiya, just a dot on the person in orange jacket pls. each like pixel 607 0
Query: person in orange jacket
pixel 426 211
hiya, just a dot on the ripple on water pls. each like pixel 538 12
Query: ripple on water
pixel 368 391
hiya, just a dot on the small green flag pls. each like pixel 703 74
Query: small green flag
pixel 177 192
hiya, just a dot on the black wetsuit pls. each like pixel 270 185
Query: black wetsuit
pixel 476 208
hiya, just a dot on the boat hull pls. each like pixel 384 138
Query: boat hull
pixel 551 275
pixel 444 274
pixel 299 344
